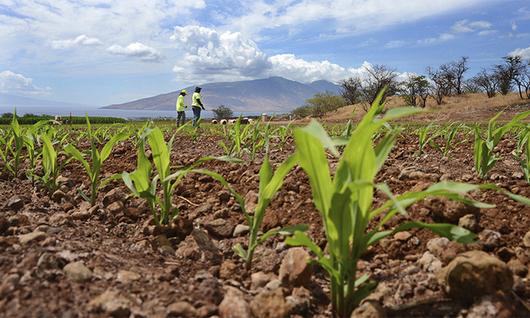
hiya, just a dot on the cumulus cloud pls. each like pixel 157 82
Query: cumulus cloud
pixel 395 44
pixel 137 50
pixel 213 55
pixel 349 16
pixel 523 53
pixel 466 26
pixel 444 37
pixel 207 52
pixel 81 40
pixel 11 82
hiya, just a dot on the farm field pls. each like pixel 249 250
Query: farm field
pixel 75 245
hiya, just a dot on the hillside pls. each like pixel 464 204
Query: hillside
pixel 275 94
pixel 9 102
pixel 466 108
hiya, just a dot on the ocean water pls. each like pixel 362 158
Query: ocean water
pixel 127 114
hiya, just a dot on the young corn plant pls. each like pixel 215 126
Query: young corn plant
pixel 31 143
pixel 97 158
pixel 522 152
pixel 424 138
pixel 18 140
pixel 449 134
pixel 345 202
pixel 143 184
pixel 484 148
pixel 50 164
pixel 270 182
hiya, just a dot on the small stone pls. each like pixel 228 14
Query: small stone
pixel 475 273
pixel 402 236
pixel 273 284
pixel 57 196
pixel 62 180
pixel 132 213
pixel 126 277
pixel 490 239
pixel 181 309
pixel 15 203
pixel 241 229
pixel 518 268
pixel 110 303
pixel 449 210
pixel 220 228
pixel 224 196
pixel 112 196
pixel 268 304
pixel 227 269
pixel 188 249
pixel 469 222
pixel 31 237
pixel 77 272
pixel 430 263
pixel 299 301
pixel 526 239
pixel 251 201
pixel 369 309
pixel 208 249
pixel 234 305
pixel 115 207
pixel 259 279
pixel 295 269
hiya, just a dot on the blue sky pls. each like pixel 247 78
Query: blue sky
pixel 101 52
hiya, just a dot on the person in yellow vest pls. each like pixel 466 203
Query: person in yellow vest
pixel 196 106
pixel 181 115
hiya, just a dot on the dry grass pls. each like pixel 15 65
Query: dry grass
pixel 465 108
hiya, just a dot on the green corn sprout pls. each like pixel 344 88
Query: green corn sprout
pixel 143 184
pixel 424 138
pixel 270 183
pixel 449 135
pixel 345 202
pixel 522 152
pixel 18 140
pixel 30 141
pixel 49 163
pixel 484 148
pixel 93 169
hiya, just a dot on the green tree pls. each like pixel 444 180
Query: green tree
pixel 223 112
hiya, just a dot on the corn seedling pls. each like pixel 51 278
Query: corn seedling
pixel 31 143
pixel 522 152
pixel 49 163
pixel 484 148
pixel 270 182
pixel 97 158
pixel 143 184
pixel 18 140
pixel 449 134
pixel 345 202
pixel 424 138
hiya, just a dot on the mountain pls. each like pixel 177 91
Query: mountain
pixel 274 94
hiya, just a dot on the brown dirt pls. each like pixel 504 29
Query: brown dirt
pixel 34 283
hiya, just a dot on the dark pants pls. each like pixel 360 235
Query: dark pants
pixel 181 118
pixel 196 116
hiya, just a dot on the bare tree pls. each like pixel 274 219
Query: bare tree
pixel 413 88
pixel 441 83
pixel 380 76
pixel 520 72
pixel 489 82
pixel 458 69
pixel 351 90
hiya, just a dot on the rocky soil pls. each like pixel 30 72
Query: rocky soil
pixel 60 257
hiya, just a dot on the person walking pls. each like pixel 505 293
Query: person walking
pixel 196 106
pixel 181 115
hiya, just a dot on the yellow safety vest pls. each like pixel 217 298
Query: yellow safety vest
pixel 195 100
pixel 180 103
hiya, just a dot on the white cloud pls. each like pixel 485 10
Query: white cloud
pixel 523 53
pixel 14 83
pixel 514 26
pixel 138 50
pixel 444 37
pixel 81 40
pixel 487 32
pixel 211 55
pixel 466 26
pixel 349 16
pixel 395 44
pixel 208 52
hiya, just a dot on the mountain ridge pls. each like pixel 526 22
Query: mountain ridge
pixel 273 94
